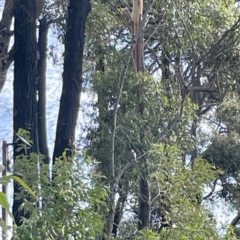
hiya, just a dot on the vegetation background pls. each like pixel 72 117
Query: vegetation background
pixel 152 149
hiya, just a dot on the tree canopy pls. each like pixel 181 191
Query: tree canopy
pixel 161 135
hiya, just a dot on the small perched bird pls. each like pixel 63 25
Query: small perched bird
pixel 133 155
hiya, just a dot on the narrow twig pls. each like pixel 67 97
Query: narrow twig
pixel 123 76
pixel 145 20
pixel 213 48
pixel 186 29
pixel 212 191
pixel 114 183
pixel 159 192
pixel 235 220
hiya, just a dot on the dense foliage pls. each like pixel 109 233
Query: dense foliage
pixel 179 115
pixel 71 205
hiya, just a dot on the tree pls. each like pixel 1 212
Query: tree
pixel 150 99
pixel 223 152
pixel 25 72
pixel 30 113
pixel 41 89
pixel 73 209
pixel 192 67
pixel 144 208
pixel 72 77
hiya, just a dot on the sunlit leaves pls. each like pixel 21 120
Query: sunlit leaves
pixel 73 203
pixel 178 193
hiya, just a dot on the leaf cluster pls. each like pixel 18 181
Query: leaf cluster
pixel 71 205
pixel 178 193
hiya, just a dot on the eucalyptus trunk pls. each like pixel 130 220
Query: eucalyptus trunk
pixel 78 11
pixel 25 72
pixel 41 87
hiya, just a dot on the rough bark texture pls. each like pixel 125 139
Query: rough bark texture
pixel 41 87
pixel 25 72
pixel 6 57
pixel 72 77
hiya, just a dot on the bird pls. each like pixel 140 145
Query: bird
pixel 133 155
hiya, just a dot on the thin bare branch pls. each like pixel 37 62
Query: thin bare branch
pixel 235 220
pixel 212 191
pixel 145 19
pixel 121 84
pixel 213 48
pixel 114 183
pixel 202 89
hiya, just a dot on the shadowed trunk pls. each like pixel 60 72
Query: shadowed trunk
pixel 25 72
pixel 72 77
pixel 41 87
pixel 118 212
pixel 144 205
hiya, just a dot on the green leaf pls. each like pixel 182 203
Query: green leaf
pixel 21 182
pixel 4 202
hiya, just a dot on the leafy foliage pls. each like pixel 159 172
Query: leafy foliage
pixel 189 46
pixel 71 205
pixel 223 152
pixel 178 193
pixel 177 212
pixel 191 63
pixel 4 199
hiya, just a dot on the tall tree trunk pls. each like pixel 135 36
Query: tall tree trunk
pixel 119 212
pixel 6 57
pixel 25 72
pixel 144 205
pixel 72 77
pixel 41 87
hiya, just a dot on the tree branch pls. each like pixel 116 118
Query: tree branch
pixel 212 191
pixel 114 182
pixel 235 220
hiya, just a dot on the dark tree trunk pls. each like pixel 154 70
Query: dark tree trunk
pixel 41 87
pixel 72 77
pixel 194 134
pixel 144 204
pixel 6 57
pixel 118 213
pixel 25 72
